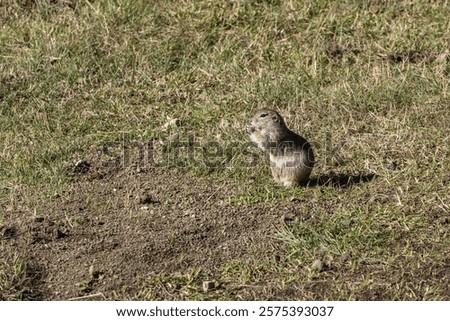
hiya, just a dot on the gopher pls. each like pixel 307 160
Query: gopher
pixel 291 156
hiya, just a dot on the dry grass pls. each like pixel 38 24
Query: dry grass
pixel 366 83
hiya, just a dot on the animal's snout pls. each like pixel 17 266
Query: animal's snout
pixel 249 129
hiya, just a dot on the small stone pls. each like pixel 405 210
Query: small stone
pixel 208 286
pixel 144 208
pixel 317 265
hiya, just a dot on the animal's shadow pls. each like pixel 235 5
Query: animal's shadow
pixel 340 180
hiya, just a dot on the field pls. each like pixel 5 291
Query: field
pixel 126 173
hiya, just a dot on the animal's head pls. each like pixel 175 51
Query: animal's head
pixel 264 127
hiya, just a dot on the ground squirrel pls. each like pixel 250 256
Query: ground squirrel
pixel 291 156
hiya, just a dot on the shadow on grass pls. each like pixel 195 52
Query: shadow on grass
pixel 340 180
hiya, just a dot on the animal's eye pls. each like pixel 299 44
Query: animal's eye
pixel 263 115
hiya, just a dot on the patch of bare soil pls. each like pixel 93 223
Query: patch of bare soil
pixel 130 232
pixel 115 226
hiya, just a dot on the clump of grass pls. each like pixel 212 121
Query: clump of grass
pixel 13 278
pixel 186 286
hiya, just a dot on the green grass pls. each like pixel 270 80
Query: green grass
pixel 367 84
pixel 13 278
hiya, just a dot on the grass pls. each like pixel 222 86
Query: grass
pixel 13 278
pixel 366 83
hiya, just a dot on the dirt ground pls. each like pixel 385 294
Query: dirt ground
pixel 133 232
pixel 115 226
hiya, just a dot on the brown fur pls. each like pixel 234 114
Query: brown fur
pixel 291 156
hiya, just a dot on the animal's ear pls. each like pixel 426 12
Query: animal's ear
pixel 275 118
